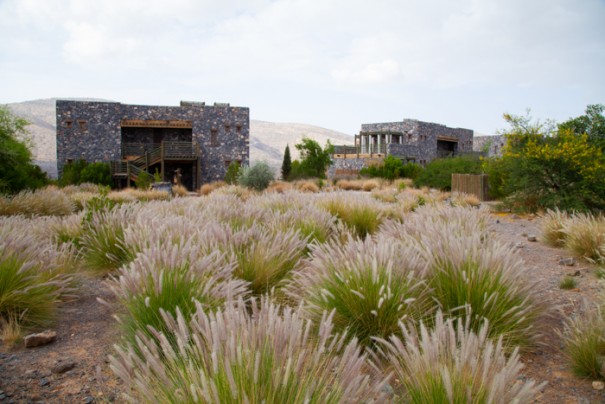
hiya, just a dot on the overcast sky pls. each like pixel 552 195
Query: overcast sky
pixel 336 64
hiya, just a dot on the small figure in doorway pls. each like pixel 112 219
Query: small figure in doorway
pixel 177 177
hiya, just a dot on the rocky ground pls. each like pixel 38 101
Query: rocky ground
pixel 74 368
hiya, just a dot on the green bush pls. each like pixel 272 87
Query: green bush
pixel 72 172
pixel 144 180
pixel 391 169
pixel 96 173
pixel 232 173
pixel 438 173
pixel 257 177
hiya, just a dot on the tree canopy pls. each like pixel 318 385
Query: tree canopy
pixel 17 172
pixel 314 160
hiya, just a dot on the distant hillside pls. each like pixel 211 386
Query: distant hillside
pixel 267 139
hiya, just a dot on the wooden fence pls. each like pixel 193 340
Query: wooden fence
pixel 473 184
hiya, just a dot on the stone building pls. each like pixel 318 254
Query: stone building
pixel 491 146
pixel 200 140
pixel 409 140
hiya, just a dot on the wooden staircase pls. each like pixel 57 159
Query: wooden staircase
pixel 139 157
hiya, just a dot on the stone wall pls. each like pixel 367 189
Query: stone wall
pixel 95 132
pixel 491 144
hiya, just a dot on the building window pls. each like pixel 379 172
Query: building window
pixel 238 128
pixel 68 123
pixel 227 128
pixel 213 138
pixel 82 124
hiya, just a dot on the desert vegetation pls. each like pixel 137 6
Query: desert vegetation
pixel 316 297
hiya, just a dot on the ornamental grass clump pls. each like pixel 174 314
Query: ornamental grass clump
pixel 362 214
pixel 265 258
pixel 48 201
pixel 552 227
pixel 247 353
pixel 102 243
pixel 451 363
pixel 584 342
pixel 585 236
pixel 168 276
pixel 369 286
pixel 30 289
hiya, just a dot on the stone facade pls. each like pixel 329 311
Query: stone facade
pixel 491 145
pixel 93 131
pixel 410 140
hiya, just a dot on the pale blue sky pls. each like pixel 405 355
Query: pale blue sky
pixel 336 64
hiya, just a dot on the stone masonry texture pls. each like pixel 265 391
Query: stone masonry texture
pixel 92 131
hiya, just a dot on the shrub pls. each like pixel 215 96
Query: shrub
pixel 256 177
pixel 96 173
pixel 307 186
pixel 369 185
pixel 585 343
pixel 72 173
pixel 280 187
pixel 359 214
pixel 438 173
pixel 179 190
pixel 452 364
pixel 232 172
pixel 168 276
pixel 144 180
pixel 236 355
pixel 369 286
pixel 350 185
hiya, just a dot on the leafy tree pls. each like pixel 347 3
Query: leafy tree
pixel 233 172
pixel 438 173
pixel 546 168
pixel 17 172
pixel 286 166
pixel 258 177
pixel 314 159
pixel 96 173
pixel 592 123
pixel 144 180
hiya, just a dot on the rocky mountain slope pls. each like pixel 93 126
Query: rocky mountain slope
pixel 267 139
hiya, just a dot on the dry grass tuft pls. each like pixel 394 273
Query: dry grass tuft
pixel 279 187
pixel 306 186
pixel 48 201
pixel 349 185
pixel 179 191
pixel 207 189
pixel 369 185
pixel 552 226
pixel 585 236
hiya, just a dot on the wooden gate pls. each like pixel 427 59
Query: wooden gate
pixel 473 184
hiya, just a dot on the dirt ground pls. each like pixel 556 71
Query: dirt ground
pixel 86 333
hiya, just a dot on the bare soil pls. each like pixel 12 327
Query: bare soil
pixel 86 332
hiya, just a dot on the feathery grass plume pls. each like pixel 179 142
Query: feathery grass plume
pixel 80 199
pixel 30 290
pixel 450 363
pixel 67 229
pixel 584 341
pixel 239 355
pixel 103 246
pixel 48 201
pixel 359 212
pixel 464 200
pixel 207 189
pixel 314 223
pixel 585 236
pixel 124 196
pixel 168 276
pixel 370 286
pixel 85 187
pixel 552 225
pixel 385 195
pixel 467 268
pixel 240 192
pixel 403 183
pixel 265 257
